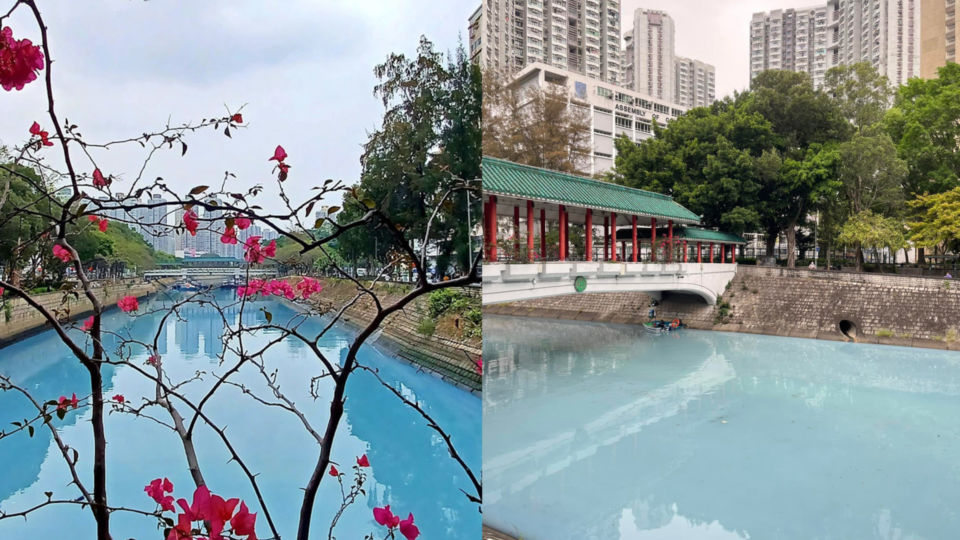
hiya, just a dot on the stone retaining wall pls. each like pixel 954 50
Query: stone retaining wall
pixel 888 309
pixel 443 353
pixel 24 319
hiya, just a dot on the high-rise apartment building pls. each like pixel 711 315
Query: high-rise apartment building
pixel 649 64
pixel 885 33
pixel 582 36
pixel 792 40
pixel 939 34
pixel 695 84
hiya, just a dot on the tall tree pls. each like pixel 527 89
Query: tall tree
pixel 542 127
pixel 862 94
pixel 707 160
pixel 924 124
pixel 807 122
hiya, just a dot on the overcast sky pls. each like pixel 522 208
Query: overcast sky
pixel 714 31
pixel 303 68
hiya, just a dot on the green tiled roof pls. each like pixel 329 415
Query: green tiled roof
pixel 696 233
pixel 685 233
pixel 502 177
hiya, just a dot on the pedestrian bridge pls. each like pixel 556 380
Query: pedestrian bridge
pixel 201 273
pixel 515 282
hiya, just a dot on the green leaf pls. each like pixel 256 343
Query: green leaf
pixel 268 315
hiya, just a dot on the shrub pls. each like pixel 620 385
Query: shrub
pixel 951 335
pixel 884 333
pixel 441 301
pixel 427 327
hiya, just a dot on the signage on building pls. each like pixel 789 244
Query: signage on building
pixel 580 89
pixel 632 110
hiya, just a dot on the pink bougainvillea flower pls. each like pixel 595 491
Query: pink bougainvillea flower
pixel 62 253
pixel 271 249
pixel 201 504
pixel 364 462
pixel 237 118
pixel 242 223
pixel 284 168
pixel 2 290
pixel 308 286
pixel 19 61
pixel 183 530
pixel 102 225
pixel 385 517
pixel 480 365
pixel 244 522
pixel 158 489
pixel 218 514
pixel 35 130
pixel 229 236
pixel 279 154
pixel 153 359
pixel 333 471
pixel 98 179
pixel 253 252
pixel 88 324
pixel 190 222
pixel 128 304
pixel 63 403
pixel 92 218
pixel 119 398
pixel 73 401
pixel 408 529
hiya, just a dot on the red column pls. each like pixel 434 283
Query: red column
pixel 723 253
pixel 566 232
pixel 606 238
pixel 653 239
pixel 543 234
pixel 634 224
pixel 711 252
pixel 492 227
pixel 563 241
pixel 516 232
pixel 613 233
pixel 684 251
pixel 733 251
pixel 530 231
pixel 486 230
pixel 699 260
pixel 589 232
pixel 670 240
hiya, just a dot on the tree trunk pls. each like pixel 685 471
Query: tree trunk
pixel 791 244
pixel 771 241
pixel 859 258
pixel 829 251
pixel 920 260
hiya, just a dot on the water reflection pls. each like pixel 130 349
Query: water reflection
pixel 410 469
pixel 598 431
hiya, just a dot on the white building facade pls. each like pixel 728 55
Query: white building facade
pixel 613 110
pixel 649 47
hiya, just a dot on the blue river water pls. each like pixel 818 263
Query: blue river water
pixel 597 431
pixel 410 467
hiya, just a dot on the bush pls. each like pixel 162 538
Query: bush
pixel 427 327
pixel 884 333
pixel 442 300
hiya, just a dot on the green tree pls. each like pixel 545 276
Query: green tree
pixel 862 94
pixel 807 123
pixel 937 222
pixel 924 124
pixel 428 143
pixel 869 230
pixel 22 205
pixel 707 160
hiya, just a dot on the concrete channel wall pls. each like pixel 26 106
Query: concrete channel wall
pixel 872 308
pixel 24 319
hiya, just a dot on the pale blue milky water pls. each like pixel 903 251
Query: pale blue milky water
pixel 410 467
pixel 595 431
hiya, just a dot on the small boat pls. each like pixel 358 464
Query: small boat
pixel 662 327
